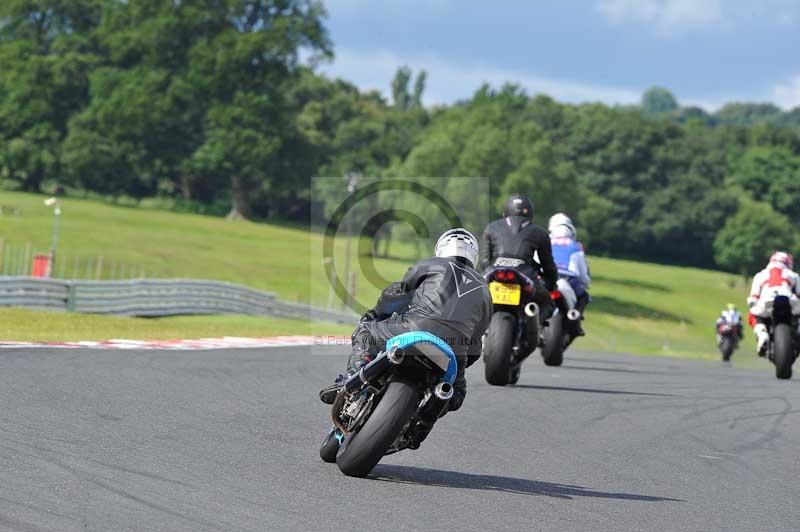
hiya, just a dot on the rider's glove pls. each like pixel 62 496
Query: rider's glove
pixel 370 315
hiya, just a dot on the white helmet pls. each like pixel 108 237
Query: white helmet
pixel 458 243
pixel 562 231
pixel 561 219
pixel 781 257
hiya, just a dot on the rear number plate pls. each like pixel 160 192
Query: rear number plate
pixel 504 293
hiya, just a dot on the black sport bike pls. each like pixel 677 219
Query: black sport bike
pixel 515 327
pixel 728 335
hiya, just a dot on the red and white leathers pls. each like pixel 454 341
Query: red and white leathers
pixel 777 279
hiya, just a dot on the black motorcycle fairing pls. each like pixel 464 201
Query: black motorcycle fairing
pixel 781 310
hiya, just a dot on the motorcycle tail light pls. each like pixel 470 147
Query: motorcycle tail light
pixel 504 275
pixel 555 294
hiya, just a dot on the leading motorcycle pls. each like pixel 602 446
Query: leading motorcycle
pixel 391 403
pixel 728 335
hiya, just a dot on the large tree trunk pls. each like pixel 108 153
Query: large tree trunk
pixel 186 187
pixel 239 208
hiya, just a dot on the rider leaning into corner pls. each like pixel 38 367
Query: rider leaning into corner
pixel 570 260
pixel 515 236
pixel 442 295
pixel 775 280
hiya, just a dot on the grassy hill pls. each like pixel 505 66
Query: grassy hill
pixel 639 308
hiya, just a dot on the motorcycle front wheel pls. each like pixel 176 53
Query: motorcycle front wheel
pixel 361 451
pixel 726 347
pixel 329 448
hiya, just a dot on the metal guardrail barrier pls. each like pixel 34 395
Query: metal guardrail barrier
pixel 154 297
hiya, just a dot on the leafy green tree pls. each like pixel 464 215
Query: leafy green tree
pixel 657 101
pixel 46 56
pixel 748 114
pixel 402 95
pixel 192 100
pixel 771 174
pixel 419 88
pixel 400 83
pixel 600 222
pixel 745 242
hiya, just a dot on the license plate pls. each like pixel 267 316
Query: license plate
pixel 504 293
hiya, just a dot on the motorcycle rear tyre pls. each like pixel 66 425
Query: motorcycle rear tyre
pixel 362 451
pixel 783 349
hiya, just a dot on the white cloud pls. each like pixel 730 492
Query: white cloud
pixel 665 15
pixel 787 95
pixel 673 16
pixel 449 82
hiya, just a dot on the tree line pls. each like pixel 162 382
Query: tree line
pixel 215 106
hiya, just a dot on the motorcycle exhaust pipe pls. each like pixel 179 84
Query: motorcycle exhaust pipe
pixel 573 315
pixel 437 404
pixel 396 355
pixel 531 310
pixel 443 391
pixel 368 372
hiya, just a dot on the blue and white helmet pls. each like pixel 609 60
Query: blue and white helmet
pixel 458 243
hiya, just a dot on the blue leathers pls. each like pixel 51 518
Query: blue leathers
pixel 571 263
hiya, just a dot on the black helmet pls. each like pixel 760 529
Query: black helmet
pixel 518 205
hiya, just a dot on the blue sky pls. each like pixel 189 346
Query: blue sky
pixel 707 52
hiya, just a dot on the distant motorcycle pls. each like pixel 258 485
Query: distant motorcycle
pixel 514 330
pixel 784 340
pixel 559 330
pixel 385 407
pixel 728 338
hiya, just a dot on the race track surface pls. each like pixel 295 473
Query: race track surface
pixel 94 440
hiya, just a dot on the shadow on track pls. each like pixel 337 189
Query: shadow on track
pixel 452 479
pixel 589 390
pixel 613 370
pixel 601 360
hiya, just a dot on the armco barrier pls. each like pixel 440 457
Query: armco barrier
pixel 154 297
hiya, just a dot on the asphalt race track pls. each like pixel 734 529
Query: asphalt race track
pixel 227 440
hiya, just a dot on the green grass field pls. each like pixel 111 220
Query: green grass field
pixel 638 308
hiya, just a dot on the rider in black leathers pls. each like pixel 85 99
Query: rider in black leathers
pixel 442 295
pixel 516 236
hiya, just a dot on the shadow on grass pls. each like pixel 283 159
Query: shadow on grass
pixel 632 283
pixel 590 390
pixel 629 309
pixel 452 479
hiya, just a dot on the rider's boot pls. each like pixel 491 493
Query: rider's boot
pixel 762 337
pixel 579 326
pixel 356 361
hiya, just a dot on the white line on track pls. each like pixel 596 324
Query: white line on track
pixel 225 342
